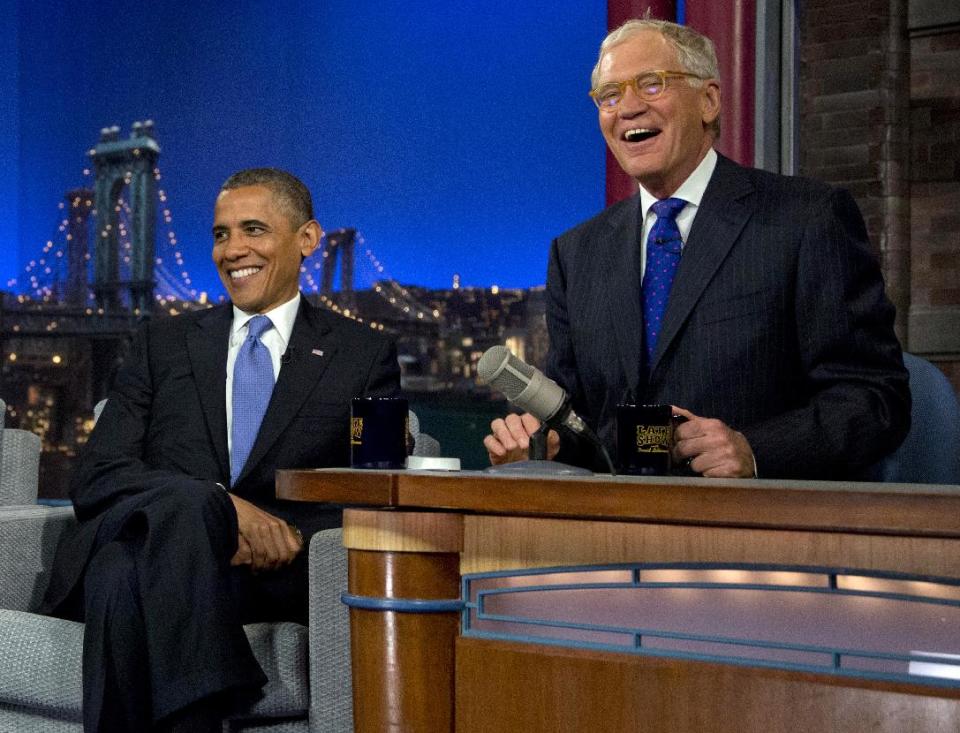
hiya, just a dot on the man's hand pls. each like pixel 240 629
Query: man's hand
pixel 266 542
pixel 714 449
pixel 510 439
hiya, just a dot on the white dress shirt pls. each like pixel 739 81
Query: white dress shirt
pixel 691 191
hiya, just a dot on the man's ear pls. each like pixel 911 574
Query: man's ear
pixel 709 102
pixel 310 234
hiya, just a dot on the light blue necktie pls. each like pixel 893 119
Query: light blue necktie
pixel 663 255
pixel 252 387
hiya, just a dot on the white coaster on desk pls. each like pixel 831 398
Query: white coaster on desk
pixel 432 463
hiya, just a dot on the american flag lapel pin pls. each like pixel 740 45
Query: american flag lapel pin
pixel 316 352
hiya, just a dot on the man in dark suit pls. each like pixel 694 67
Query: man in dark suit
pixel 180 540
pixel 749 300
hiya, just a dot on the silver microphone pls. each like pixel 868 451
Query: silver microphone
pixel 528 388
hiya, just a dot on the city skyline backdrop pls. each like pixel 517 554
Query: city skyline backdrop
pixel 455 139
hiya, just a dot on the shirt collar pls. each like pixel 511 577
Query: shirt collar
pixel 691 190
pixel 282 317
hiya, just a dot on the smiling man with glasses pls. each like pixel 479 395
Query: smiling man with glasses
pixel 750 301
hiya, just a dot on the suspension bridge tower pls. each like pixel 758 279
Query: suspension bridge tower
pixel 79 206
pixel 339 244
pixel 131 163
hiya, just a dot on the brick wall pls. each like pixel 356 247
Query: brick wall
pixel 880 115
pixel 935 166
pixel 935 197
pixel 840 103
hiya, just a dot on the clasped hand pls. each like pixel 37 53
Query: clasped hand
pixel 266 542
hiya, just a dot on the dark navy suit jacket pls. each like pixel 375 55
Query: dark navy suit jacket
pixel 777 324
pixel 165 421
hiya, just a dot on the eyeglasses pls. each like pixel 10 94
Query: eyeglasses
pixel 648 85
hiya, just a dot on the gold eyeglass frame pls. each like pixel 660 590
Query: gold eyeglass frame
pixel 634 82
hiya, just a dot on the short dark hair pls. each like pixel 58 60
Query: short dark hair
pixel 291 194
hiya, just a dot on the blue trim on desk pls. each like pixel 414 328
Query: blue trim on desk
pixel 402 605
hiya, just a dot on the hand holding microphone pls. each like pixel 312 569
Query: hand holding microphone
pixel 509 440
pixel 543 399
pixel 528 388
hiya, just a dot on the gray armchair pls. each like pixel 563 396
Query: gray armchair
pixel 40 657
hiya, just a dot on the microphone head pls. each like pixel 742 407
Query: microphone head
pixel 523 385
pixel 492 370
pixel 492 363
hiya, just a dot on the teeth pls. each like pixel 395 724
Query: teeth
pixel 245 272
pixel 639 133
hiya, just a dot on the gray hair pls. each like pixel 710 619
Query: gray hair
pixel 292 196
pixel 695 52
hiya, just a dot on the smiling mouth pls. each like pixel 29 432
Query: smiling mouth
pixel 639 134
pixel 244 272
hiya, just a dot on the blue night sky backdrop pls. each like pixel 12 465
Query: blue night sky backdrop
pixel 456 136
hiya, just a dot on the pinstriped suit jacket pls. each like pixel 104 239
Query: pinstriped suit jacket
pixel 777 324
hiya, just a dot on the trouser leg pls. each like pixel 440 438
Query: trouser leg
pixel 200 717
pixel 190 602
pixel 177 547
pixel 276 595
pixel 116 679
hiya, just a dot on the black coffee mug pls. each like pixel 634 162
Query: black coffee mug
pixel 378 432
pixel 644 439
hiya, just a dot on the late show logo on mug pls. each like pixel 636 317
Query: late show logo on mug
pixel 653 438
pixel 356 431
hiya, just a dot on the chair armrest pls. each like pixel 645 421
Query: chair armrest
pixel 19 467
pixel 427 446
pixel 423 444
pixel 28 540
pixel 331 692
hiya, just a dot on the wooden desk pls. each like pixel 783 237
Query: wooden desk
pixel 422 531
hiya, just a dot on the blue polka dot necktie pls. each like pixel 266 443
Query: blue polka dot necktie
pixel 663 256
pixel 252 387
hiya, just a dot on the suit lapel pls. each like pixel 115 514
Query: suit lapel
pixel 620 255
pixel 310 350
pixel 726 207
pixel 207 346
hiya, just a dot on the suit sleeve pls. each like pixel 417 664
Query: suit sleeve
pixel 111 465
pixel 858 399
pixel 383 372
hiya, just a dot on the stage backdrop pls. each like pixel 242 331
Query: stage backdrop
pixel 457 137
